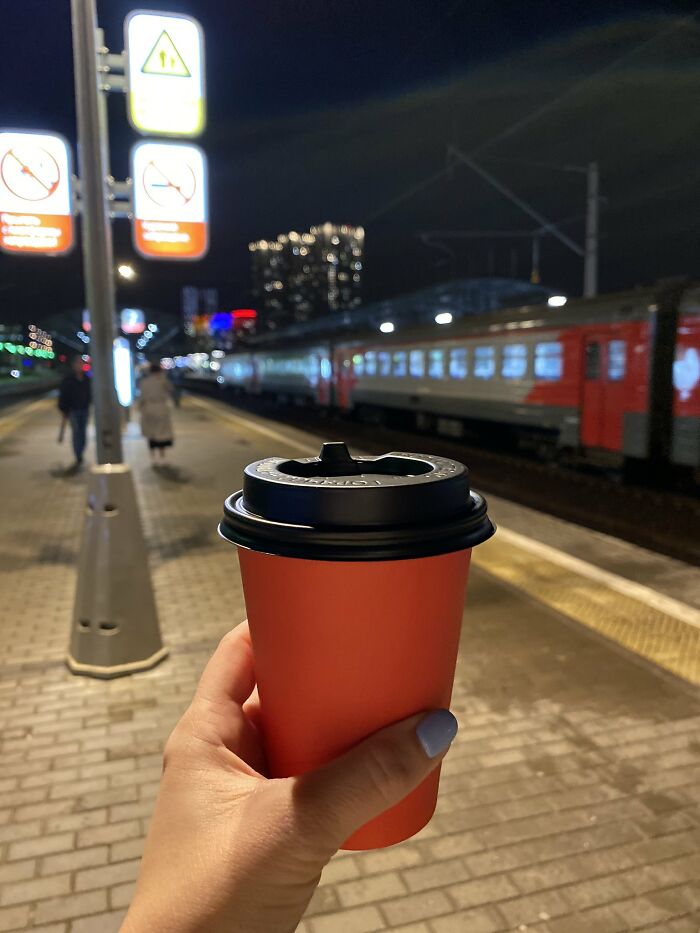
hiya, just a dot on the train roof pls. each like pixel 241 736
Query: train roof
pixel 614 307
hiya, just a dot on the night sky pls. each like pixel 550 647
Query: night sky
pixel 324 110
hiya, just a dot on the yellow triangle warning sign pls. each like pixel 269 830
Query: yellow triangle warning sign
pixel 164 59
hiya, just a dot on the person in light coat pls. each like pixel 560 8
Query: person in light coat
pixel 156 420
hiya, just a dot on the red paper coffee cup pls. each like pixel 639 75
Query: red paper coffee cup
pixel 354 575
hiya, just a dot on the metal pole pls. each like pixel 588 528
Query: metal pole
pixel 535 270
pixel 98 258
pixel 100 48
pixel 546 225
pixel 590 261
pixel 115 627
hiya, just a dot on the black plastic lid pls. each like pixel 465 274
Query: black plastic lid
pixel 335 507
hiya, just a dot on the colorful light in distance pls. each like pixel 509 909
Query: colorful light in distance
pixel 221 321
pixel 40 352
pixel 132 321
pixel 126 271
pixel 123 371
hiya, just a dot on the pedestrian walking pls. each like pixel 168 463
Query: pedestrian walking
pixel 156 420
pixel 74 397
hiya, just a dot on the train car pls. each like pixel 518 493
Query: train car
pixel 575 377
pixel 596 378
pixel 239 371
pixel 298 374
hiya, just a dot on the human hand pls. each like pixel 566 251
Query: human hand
pixel 232 851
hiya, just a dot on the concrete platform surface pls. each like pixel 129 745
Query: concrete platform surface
pixel 571 798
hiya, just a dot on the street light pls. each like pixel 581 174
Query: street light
pixel 444 317
pixel 126 271
pixel 556 301
pixel 387 327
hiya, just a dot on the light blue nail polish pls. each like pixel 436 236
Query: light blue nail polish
pixel 436 731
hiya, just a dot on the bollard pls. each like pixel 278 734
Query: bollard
pixel 115 624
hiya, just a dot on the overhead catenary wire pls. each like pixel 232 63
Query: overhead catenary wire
pixel 531 117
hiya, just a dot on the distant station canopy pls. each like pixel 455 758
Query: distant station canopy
pixel 457 298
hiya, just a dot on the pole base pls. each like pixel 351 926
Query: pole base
pixel 115 627
pixel 117 670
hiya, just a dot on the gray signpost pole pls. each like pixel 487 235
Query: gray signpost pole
pixel 590 267
pixel 98 262
pixel 115 626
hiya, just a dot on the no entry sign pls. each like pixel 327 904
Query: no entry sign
pixel 36 206
pixel 171 217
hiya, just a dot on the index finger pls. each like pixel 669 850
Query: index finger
pixel 230 673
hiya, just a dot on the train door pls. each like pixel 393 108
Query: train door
pixel 603 392
pixel 343 378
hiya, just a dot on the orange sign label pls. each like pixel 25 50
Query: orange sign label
pixel 36 207
pixel 170 201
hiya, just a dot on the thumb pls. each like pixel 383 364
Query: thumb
pixel 376 774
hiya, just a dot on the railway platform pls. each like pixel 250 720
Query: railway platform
pixel 570 800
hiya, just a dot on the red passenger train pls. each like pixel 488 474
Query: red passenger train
pixel 612 378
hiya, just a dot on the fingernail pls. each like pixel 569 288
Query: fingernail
pixel 436 731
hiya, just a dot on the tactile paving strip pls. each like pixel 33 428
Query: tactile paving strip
pixel 646 630
pixel 17 416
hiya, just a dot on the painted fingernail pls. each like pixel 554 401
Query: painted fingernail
pixel 436 732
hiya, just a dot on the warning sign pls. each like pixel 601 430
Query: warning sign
pixel 36 206
pixel 165 59
pixel 170 200
pixel 165 75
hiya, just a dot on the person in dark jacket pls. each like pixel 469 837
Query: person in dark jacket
pixel 74 399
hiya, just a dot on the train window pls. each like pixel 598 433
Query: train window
pixel 436 364
pixel 593 360
pixel 459 366
pixel 399 368
pixel 616 360
pixel 313 370
pixel 549 362
pixel 514 361
pixel 371 363
pixel 484 362
pixel 416 364
pixel 358 361
pixel 384 360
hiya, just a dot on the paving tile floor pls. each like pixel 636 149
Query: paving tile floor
pixel 570 801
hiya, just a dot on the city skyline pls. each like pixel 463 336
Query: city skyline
pixel 301 276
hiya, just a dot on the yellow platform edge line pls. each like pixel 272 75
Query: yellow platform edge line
pixel 16 419
pixel 664 638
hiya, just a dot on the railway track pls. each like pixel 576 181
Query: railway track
pixel 658 519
